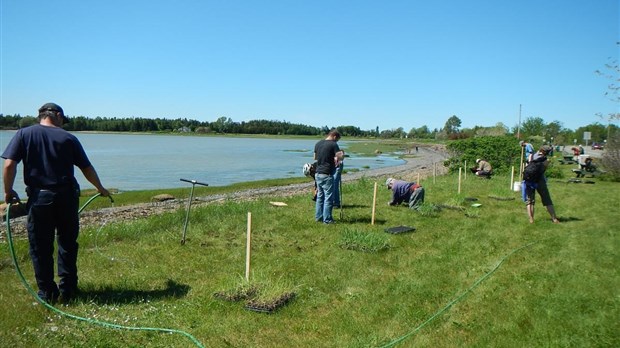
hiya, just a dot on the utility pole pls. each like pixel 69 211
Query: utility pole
pixel 519 126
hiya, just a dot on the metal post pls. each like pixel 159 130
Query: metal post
pixel 340 193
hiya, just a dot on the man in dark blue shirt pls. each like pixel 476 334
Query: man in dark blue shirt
pixel 49 154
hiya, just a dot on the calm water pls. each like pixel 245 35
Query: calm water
pixel 143 162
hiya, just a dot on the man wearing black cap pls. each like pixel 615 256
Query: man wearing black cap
pixel 49 154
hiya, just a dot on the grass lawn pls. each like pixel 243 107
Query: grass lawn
pixel 467 276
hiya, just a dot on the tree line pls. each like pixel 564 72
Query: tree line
pixel 533 129
pixel 222 125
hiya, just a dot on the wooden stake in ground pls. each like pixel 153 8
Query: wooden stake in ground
pixel 521 164
pixel 512 176
pixel 374 204
pixel 465 175
pixel 434 172
pixel 248 248
pixel 460 169
pixel 418 178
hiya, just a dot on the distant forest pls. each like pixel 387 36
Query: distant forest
pixel 533 128
pixel 222 125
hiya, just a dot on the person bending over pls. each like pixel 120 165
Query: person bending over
pixel 410 193
pixel 484 169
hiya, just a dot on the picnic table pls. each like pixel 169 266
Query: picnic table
pixel 567 159
pixel 586 167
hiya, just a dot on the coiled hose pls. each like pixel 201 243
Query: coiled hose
pixel 34 294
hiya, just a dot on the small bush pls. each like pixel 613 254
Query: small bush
pixel 454 202
pixel 364 241
pixel 611 158
pixel 428 209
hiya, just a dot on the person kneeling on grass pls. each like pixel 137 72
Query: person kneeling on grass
pixel 402 191
pixel 484 169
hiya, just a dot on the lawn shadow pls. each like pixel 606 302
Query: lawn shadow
pixel 358 219
pixel 569 218
pixel 350 206
pixel 119 295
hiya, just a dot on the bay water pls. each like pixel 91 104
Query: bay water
pixel 130 162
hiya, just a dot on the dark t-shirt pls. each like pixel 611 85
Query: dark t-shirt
pixel 325 151
pixel 48 153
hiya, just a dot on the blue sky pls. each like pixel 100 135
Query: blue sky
pixel 322 63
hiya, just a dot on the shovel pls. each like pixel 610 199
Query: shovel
pixel 189 204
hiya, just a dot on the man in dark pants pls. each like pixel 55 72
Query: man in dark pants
pixel 49 154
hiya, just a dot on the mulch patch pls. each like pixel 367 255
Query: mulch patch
pixel 269 306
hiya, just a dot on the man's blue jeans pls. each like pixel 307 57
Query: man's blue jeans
pixel 324 197
pixel 337 178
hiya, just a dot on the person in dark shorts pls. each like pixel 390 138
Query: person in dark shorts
pixel 49 154
pixel 540 186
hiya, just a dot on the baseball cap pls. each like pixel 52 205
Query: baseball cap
pixel 388 182
pixel 54 107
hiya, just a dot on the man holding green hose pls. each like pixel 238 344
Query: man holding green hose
pixel 49 154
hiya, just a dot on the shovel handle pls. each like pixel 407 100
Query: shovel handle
pixel 194 182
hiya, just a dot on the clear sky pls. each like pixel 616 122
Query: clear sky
pixel 321 63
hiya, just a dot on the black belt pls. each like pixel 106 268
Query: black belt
pixel 53 188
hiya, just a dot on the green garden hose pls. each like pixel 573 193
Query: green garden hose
pixel 68 315
pixel 458 299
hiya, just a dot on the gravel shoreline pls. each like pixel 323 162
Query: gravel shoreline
pixel 423 163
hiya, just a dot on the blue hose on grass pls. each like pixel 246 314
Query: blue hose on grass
pixel 9 238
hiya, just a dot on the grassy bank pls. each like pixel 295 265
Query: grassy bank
pixel 466 277
pixel 145 196
pixel 371 147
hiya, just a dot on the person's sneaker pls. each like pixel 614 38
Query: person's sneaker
pixel 68 296
pixel 49 297
pixel 329 222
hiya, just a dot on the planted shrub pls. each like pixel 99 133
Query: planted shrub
pixel 428 209
pixel 364 241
